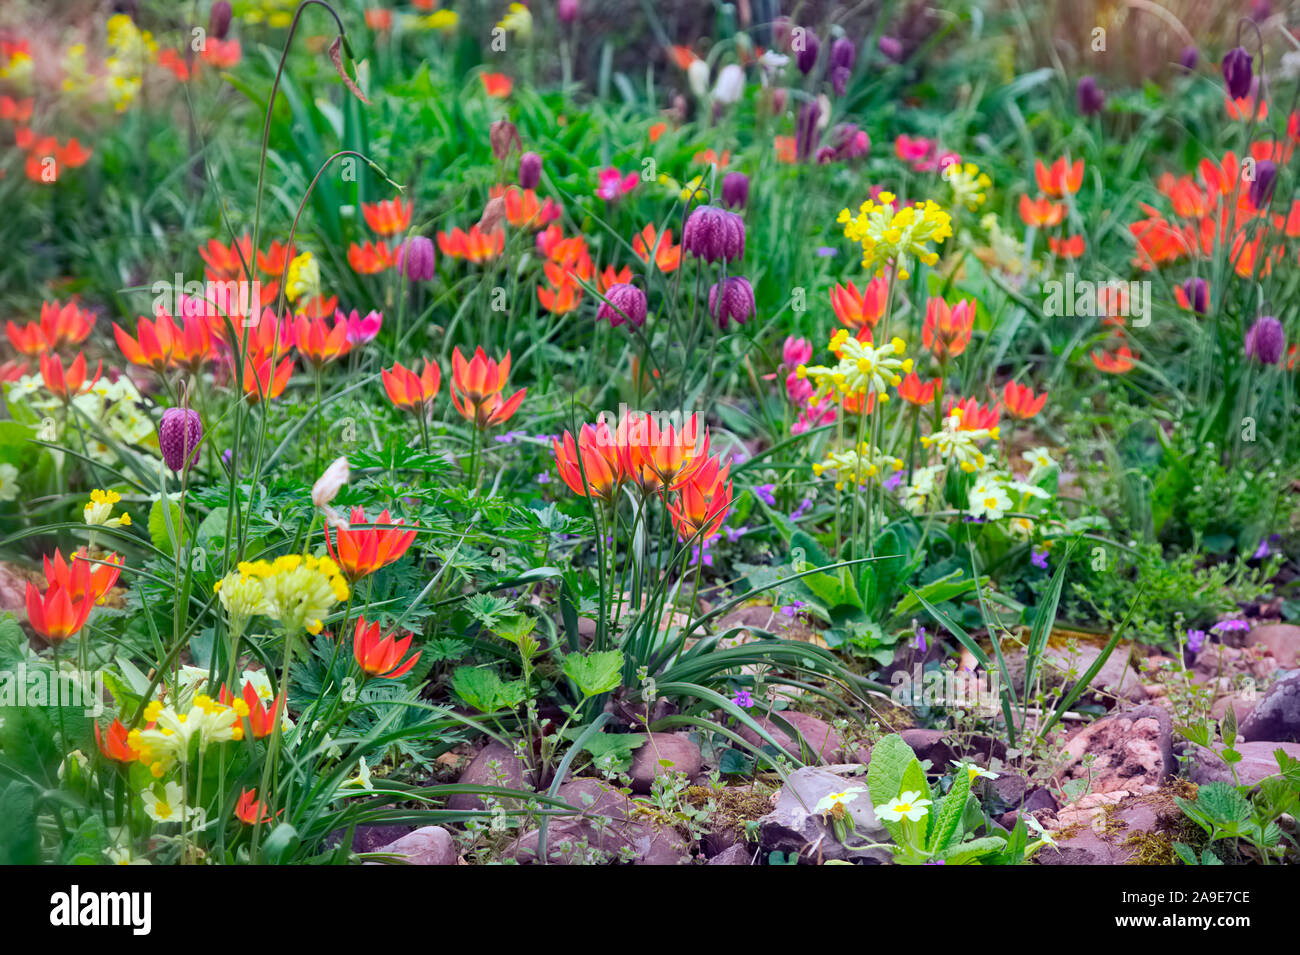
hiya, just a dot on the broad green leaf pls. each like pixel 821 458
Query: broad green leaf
pixel 595 673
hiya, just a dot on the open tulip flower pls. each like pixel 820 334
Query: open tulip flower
pixel 250 811
pixel 475 245
pixel 476 387
pixel 1021 402
pixel 703 501
pixel 264 379
pixel 317 342
pixel 369 258
pixel 360 551
pixel 409 391
pixel 70 383
pixel 153 345
pixel 1059 179
pixel 388 216
pixel 659 457
pixel 260 718
pixel 860 311
pixel 81 577
pixel 381 656
pixel 115 744
pixel 947 329
pixel 592 464
pixel 60 326
pixel 54 614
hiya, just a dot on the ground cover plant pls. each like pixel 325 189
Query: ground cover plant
pixel 630 433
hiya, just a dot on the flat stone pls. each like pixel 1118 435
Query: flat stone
pixel 431 845
pixel 1116 677
pixel 930 744
pixel 792 827
pixel 1257 762
pixel 1133 751
pixel 1277 715
pixel 609 828
pixel 509 772
pixel 739 854
pixel 663 754
pixel 1282 641
pixel 821 738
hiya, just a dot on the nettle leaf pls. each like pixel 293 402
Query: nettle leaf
pixel 610 752
pixel 1222 803
pixel 595 673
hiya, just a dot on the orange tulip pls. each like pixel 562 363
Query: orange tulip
pixel 667 257
pixel 261 718
pixel 264 379
pixel 152 346
pixel 1114 363
pixel 250 811
pixel 474 246
pixel 318 306
pixel 59 326
pixel 1060 178
pixel 497 85
pixel 54 614
pixel 378 655
pixel 860 311
pixel 660 458
pixel 523 210
pixel 268 336
pixel 273 260
pixel 591 465
pixel 27 339
pixel 476 388
pixel 360 552
pixel 115 745
pixel 410 391
pixel 81 576
pixel 317 342
pixel 369 258
pixel 226 262
pixel 975 416
pixel 918 394
pixel 947 330
pixel 1040 212
pixel 563 295
pixel 1021 402
pixel 703 502
pixel 609 277
pixel 1069 248
pixel 71 383
pixel 192 343
pixel 388 216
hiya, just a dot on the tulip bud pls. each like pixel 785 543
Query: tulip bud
pixel 623 303
pixel 807 47
pixel 219 19
pixel 566 11
pixel 179 435
pixel 735 190
pixel 1237 72
pixel 1089 97
pixel 1261 189
pixel 530 170
pixel 328 484
pixel 1266 340
pixel 732 299
pixel 415 259
pixel 504 138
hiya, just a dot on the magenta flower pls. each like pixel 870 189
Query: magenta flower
pixel 615 185
pixel 360 330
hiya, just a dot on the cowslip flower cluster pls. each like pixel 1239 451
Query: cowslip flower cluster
pixel 955 443
pixel 298 590
pixel 862 370
pixel 862 465
pixel 889 234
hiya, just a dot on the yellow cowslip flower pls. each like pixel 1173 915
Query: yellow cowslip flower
pixel 297 589
pixel 440 20
pixel 861 465
pixel 518 20
pixel 18 70
pixel 968 185
pixel 168 740
pixel 693 190
pixel 955 443
pixel 99 510
pixel 242 597
pixel 304 277
pixel 887 234
pixel 862 369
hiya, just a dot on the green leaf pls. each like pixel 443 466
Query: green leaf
pixel 947 816
pixel 595 673
pixel 890 759
pixel 19 844
pixel 479 687
pixel 160 531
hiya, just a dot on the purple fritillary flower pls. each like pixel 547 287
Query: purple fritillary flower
pixel 1038 558
pixel 743 699
pixel 1195 640
pixel 764 493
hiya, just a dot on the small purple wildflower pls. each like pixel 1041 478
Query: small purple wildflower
pixel 792 608
pixel 734 534
pixel 743 699
pixel 1263 550
pixel 1038 558
pixel 739 457
pixel 936 862
pixel 764 493
pixel 544 477
pixel 510 437
pixel 827 252
pixel 700 554
pixel 1234 625
pixel 919 642
pixel 1195 640
pixel 893 481
pixel 802 509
